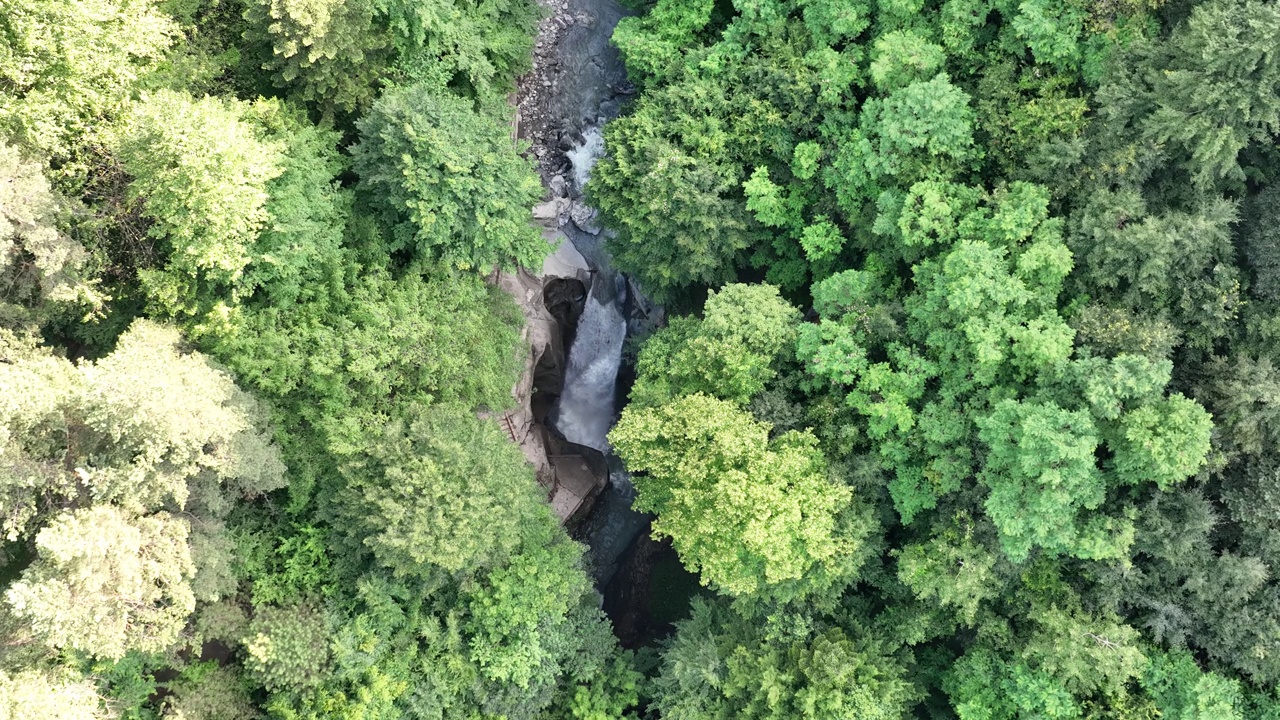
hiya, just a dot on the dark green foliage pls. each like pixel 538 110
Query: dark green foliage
pixel 338 55
pixel 668 195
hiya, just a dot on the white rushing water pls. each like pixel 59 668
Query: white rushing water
pixel 585 411
pixel 583 156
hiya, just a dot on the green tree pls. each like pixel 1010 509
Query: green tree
pixel 210 693
pixel 338 55
pixel 441 491
pixel 200 170
pixel 669 190
pixel 902 57
pixel 334 53
pixel 445 177
pixel 1057 659
pixel 150 426
pixel 49 695
pixel 68 65
pixel 287 647
pixel 104 583
pixel 1218 91
pixel 1184 692
pixel 1175 265
pixel 1043 474
pixel 752 515
pixel 729 353
pixel 911 133
pixel 520 613
pixel 38 262
pixel 720 665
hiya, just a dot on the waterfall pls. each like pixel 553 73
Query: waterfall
pixel 588 77
pixel 586 408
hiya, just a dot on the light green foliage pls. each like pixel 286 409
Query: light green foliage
pixel 481 45
pixel 1163 442
pixel 174 416
pixel 730 353
pixel 287 647
pixel 1042 474
pixel 1051 30
pixel 982 323
pixel 983 314
pixel 67 65
pixel 821 240
pixel 445 175
pixel 200 169
pixel 286 562
pixel 609 693
pixel 721 666
pixel 651 44
pixel 951 569
pixel 519 612
pixel 149 426
pixel 105 583
pixel 38 263
pixel 440 491
pixel 1184 692
pixel 766 202
pixel 902 57
pixel 1062 660
pixel 752 515
pixel 49 696
pixel 300 248
pixel 34 386
pixel 911 128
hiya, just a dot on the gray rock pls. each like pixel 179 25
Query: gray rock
pixel 565 261
pixel 548 213
pixel 584 217
pixel 559 188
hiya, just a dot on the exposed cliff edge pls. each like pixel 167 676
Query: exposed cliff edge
pixel 552 301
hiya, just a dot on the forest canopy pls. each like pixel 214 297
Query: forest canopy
pixel 966 405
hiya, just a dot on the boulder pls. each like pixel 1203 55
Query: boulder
pixel 565 261
pixel 548 214
pixel 584 216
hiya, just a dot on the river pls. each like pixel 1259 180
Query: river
pixel 579 84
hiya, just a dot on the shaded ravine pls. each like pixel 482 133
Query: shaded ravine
pixel 577 85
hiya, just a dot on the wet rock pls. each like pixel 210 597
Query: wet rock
pixel 584 216
pixel 558 186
